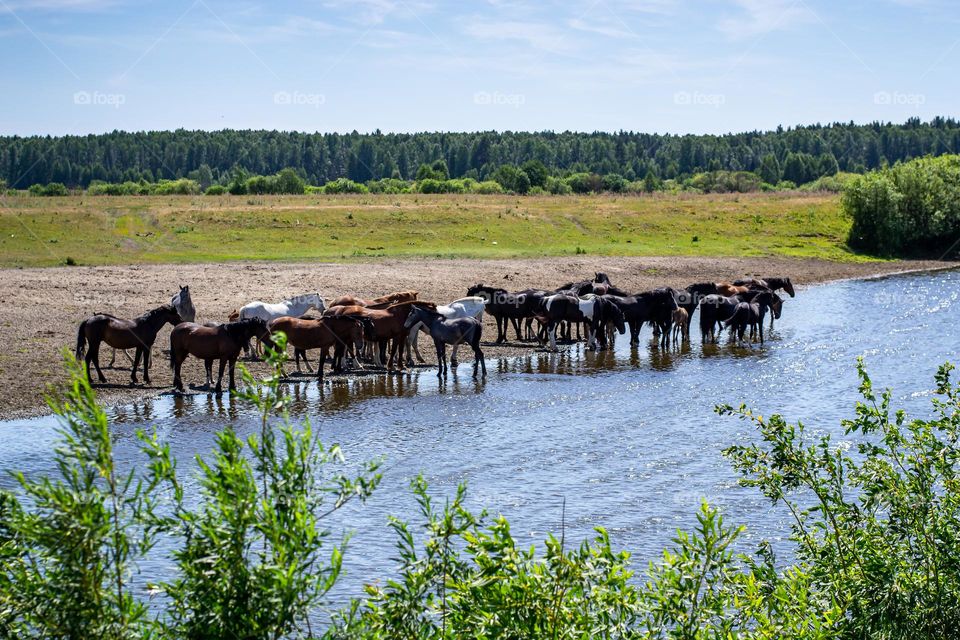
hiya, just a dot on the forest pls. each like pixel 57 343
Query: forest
pixel 797 155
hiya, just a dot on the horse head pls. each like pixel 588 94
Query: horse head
pixel 601 278
pixel 788 287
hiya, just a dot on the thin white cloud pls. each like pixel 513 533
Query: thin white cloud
pixel 58 5
pixel 759 17
pixel 373 12
pixel 538 35
pixel 604 28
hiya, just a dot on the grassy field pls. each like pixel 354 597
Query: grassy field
pixel 86 230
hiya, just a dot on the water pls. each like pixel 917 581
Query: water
pixel 628 439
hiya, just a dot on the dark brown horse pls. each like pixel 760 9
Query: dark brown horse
pixel 222 343
pixel 387 325
pixel 338 332
pixel 138 334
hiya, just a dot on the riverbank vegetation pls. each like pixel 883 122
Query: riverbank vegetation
pixel 910 209
pixel 136 229
pixel 875 535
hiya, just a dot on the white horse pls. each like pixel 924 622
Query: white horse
pixel 294 307
pixel 470 307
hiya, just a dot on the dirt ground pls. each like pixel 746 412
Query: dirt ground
pixel 42 307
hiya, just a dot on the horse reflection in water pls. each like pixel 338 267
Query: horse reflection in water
pixel 225 408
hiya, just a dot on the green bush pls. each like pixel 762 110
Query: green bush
pixel 558 187
pixel 910 209
pixel 584 182
pixel 215 190
pixel 388 185
pixel 344 185
pixel 49 190
pixel 181 186
pixel 488 187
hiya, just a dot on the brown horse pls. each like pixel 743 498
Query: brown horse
pixel 381 302
pixel 222 343
pixel 387 325
pixel 338 332
pixel 138 334
pixel 727 289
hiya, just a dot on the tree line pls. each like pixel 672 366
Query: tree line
pixel 797 155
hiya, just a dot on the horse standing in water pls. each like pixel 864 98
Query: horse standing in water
pixel 339 332
pixel 138 334
pixel 222 343
pixel 449 331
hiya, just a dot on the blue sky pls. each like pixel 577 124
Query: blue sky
pixel 81 66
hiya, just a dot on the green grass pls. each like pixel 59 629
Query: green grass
pixel 130 229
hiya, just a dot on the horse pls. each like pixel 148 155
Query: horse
pixel 717 309
pixel 728 289
pixel 471 307
pixel 750 314
pixel 446 331
pixel 608 320
pixel 681 325
pixel 506 307
pixel 773 283
pixel 655 307
pixel 387 300
pixel 689 299
pixel 322 333
pixel 296 306
pixel 563 307
pixel 138 334
pixel 182 302
pixel 387 325
pixel 222 343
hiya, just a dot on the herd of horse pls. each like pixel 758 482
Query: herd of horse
pixel 383 331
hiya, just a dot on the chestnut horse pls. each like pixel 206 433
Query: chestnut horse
pixel 387 325
pixel 138 334
pixel 222 343
pixel 338 332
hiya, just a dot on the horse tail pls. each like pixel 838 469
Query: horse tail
pixel 173 354
pixel 81 339
pixel 740 315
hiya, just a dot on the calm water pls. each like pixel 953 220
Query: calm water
pixel 629 439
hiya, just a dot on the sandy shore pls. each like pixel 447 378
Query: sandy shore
pixel 43 307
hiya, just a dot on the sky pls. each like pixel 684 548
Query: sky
pixel 659 66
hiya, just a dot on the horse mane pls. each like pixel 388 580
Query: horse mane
pixel 235 329
pixel 418 303
pixel 152 313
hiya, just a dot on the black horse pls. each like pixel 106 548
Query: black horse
pixel 507 308
pixel 716 309
pixel 751 314
pixel 655 307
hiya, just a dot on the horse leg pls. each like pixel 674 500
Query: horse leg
pixel 321 362
pixel 453 355
pixel 552 334
pixel 441 357
pixel 138 353
pixel 477 353
pixel 233 366
pixel 94 354
pixel 219 387
pixel 146 365
pixel 208 365
pixel 516 327
pixel 177 363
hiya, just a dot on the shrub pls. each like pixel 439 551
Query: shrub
pixel 512 179
pixel 909 209
pixel 182 186
pixel 215 190
pixel 48 190
pixel 487 187
pixel 345 185
pixel 584 182
pixel 614 182
pixel 388 185
pixel 558 187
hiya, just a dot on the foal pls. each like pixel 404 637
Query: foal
pixel 681 324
